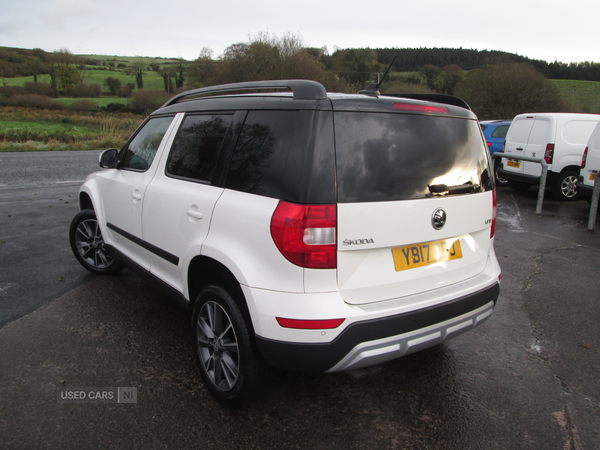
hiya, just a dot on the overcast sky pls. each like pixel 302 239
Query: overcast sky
pixel 549 30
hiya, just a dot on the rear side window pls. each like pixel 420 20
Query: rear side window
pixel 386 157
pixel 261 152
pixel 500 132
pixel 140 152
pixel 195 150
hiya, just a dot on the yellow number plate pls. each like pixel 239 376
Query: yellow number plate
pixel 513 164
pixel 592 176
pixel 419 255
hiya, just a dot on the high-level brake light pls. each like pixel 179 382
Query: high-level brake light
pixel 416 107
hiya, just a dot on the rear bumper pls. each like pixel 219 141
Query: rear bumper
pixel 584 189
pixel 375 341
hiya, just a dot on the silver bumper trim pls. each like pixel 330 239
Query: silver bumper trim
pixel 382 350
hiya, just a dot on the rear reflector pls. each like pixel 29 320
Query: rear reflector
pixel 415 107
pixel 310 324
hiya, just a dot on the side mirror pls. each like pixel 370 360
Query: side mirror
pixel 108 158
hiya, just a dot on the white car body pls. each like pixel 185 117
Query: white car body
pixel 374 276
pixel 591 162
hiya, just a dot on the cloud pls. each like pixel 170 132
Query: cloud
pixel 59 13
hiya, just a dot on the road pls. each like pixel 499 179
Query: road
pixel 526 379
pixel 38 199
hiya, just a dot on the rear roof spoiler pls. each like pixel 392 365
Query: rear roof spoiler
pixel 302 89
pixel 437 98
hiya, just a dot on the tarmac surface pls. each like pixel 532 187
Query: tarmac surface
pixel 525 379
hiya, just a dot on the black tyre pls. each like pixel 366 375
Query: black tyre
pixel 88 245
pixel 230 364
pixel 499 180
pixel 518 185
pixel 565 187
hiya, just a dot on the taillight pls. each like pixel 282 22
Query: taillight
pixel 549 153
pixel 489 144
pixel 494 214
pixel 584 159
pixel 306 234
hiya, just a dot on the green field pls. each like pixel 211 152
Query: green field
pixel 26 129
pixel 130 60
pixel 584 96
pixel 37 128
pixel 29 129
pixel 152 80
pixel 102 101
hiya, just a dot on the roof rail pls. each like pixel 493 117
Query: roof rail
pixel 302 89
pixel 438 98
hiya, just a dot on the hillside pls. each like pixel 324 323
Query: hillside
pixel 16 62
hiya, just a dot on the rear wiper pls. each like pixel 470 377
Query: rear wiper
pixel 444 189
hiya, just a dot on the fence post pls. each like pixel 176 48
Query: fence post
pixel 543 177
pixel 594 204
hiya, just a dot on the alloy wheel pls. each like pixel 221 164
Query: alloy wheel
pixel 90 244
pixel 217 346
pixel 568 186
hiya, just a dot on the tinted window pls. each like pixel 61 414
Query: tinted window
pixel 500 132
pixel 384 157
pixel 195 150
pixel 261 152
pixel 140 152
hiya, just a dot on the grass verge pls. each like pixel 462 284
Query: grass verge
pixel 27 129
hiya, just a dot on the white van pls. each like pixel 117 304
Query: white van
pixel 559 138
pixel 590 164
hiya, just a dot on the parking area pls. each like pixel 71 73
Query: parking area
pixel 527 378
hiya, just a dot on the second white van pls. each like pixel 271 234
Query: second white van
pixel 590 164
pixel 558 138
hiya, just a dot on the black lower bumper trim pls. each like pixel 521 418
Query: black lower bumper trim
pixel 302 357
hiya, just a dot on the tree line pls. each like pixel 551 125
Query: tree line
pixel 15 62
pixel 496 84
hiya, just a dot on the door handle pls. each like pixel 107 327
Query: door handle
pixel 520 149
pixel 194 214
pixel 136 196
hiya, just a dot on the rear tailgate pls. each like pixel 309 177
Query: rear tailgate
pixel 516 142
pixel 395 172
pixel 391 249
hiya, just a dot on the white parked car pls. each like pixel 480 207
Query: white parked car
pixel 305 230
pixel 590 163
pixel 558 138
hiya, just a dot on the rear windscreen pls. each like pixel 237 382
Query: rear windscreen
pixel 386 157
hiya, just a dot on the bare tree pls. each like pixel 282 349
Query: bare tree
pixel 263 58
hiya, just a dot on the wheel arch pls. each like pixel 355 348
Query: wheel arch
pixel 85 201
pixel 571 169
pixel 204 271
